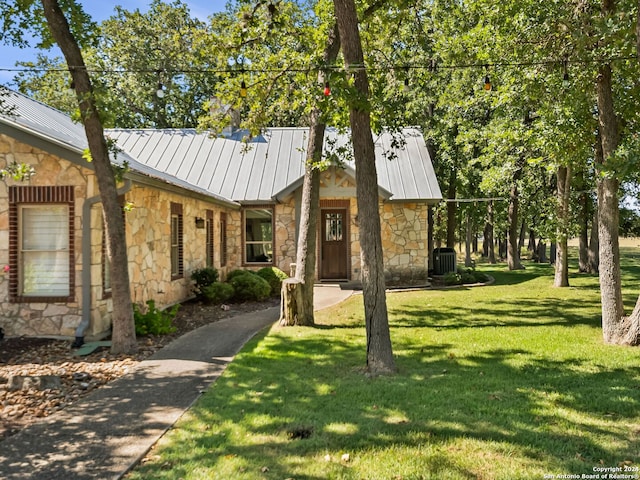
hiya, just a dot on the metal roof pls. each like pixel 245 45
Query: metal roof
pixel 52 126
pixel 226 168
pixel 272 164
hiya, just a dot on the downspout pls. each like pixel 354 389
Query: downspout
pixel 86 263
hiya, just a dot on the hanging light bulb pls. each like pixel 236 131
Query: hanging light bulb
pixel 327 89
pixel 406 87
pixel 487 83
pixel 243 89
pixel 160 90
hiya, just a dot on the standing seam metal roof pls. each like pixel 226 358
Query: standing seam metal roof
pixel 53 126
pixel 226 168
pixel 259 169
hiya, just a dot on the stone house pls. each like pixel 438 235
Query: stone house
pixel 191 200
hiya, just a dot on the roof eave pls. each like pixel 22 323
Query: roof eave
pixel 148 180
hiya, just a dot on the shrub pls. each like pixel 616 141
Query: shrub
pixel 452 278
pixel 464 276
pixel 154 321
pixel 203 277
pixel 467 277
pixel 480 277
pixel 250 287
pixel 218 292
pixel 274 276
pixel 234 273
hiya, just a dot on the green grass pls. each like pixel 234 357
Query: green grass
pixel 510 381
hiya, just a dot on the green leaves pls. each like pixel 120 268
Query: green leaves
pixel 17 171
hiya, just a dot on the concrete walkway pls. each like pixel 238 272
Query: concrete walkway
pixel 107 433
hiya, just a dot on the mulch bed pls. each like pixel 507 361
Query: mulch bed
pixel 40 357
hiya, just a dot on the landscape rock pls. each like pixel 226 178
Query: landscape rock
pixel 37 382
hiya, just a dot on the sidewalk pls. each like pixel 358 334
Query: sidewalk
pixel 106 433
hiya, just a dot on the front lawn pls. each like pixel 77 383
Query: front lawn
pixel 509 381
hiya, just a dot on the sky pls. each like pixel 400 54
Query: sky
pixel 99 11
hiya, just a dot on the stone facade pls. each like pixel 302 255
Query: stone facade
pixel 403 225
pixel 285 234
pixel 148 231
pixel 404 242
pixel 56 318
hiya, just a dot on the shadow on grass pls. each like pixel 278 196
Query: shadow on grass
pixel 514 404
pixel 548 412
pixel 505 313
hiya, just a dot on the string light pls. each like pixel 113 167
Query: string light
pixel 565 77
pixel 160 90
pixel 406 79
pixel 487 83
pixel 327 89
pixel 430 66
pixel 243 89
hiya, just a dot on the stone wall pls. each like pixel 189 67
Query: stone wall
pixel 148 231
pixel 285 234
pixel 41 319
pixel 148 226
pixel 404 242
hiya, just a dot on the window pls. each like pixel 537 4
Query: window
pixel 209 242
pixel 333 227
pixel 44 247
pixel 258 235
pixel 223 239
pixel 41 243
pixel 177 265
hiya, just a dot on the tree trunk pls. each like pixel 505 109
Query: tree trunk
pixel 309 209
pixel 563 179
pixel 542 252
pixel 594 244
pixel 290 302
pixel 513 253
pixel 430 242
pixel 485 240
pixel 584 219
pixel 633 334
pixel 468 261
pixel 533 246
pixel 474 238
pixel 523 231
pixel 123 339
pixel 302 313
pixel 379 351
pixel 491 254
pixel 502 246
pixel 452 208
pixel 608 215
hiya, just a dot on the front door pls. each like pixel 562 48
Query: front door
pixel 333 244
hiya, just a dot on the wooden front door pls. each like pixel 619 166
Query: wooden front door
pixel 333 244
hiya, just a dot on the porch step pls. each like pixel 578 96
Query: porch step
pixel 90 347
